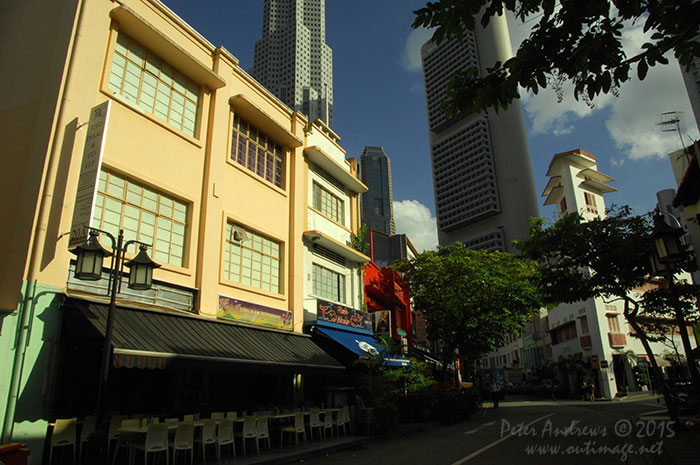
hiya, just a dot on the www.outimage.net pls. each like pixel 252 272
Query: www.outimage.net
pixel 592 448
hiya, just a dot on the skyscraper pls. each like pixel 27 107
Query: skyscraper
pixel 376 205
pixel 292 59
pixel 482 173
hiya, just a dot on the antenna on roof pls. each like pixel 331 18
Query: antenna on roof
pixel 674 121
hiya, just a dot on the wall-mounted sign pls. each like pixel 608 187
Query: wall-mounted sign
pixel 339 314
pixel 89 173
pixel 382 322
pixel 248 312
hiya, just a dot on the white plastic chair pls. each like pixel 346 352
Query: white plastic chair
pixel 63 435
pixel 217 415
pixel 315 422
pixel 184 440
pixel 296 430
pixel 208 437
pixel 156 441
pixel 327 423
pixel 126 441
pixel 262 432
pixel 342 420
pixel 115 423
pixel 233 416
pixel 225 437
pixel 188 418
pixel 248 431
pixel 85 432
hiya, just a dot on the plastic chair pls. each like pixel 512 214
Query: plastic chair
pixel 85 432
pixel 232 416
pixel 156 441
pixel 217 415
pixel 126 441
pixel 327 423
pixel 172 421
pixel 248 431
pixel 342 419
pixel 225 437
pixel 296 430
pixel 188 418
pixel 346 416
pixel 63 435
pixel 115 423
pixel 262 432
pixel 315 422
pixel 184 440
pixel 208 437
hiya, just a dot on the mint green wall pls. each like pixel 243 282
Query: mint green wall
pixel 36 389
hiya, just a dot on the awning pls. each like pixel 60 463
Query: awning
pixel 152 339
pixel 361 345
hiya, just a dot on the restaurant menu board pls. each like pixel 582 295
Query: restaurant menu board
pixel 339 314
pixel 248 312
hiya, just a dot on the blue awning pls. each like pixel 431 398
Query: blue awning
pixel 361 345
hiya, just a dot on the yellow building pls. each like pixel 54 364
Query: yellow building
pixel 249 209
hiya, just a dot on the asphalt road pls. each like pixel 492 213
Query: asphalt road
pixel 524 431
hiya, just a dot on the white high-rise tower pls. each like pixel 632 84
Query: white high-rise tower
pixel 292 59
pixel 482 173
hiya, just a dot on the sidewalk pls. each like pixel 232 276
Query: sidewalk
pixel 682 449
pixel 294 454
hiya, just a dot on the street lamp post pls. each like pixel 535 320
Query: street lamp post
pixel 668 258
pixel 90 256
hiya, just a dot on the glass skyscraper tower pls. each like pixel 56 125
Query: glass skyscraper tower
pixel 482 172
pixel 292 59
pixel 377 204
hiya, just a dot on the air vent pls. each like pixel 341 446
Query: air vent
pixel 329 255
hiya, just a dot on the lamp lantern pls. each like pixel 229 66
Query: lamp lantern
pixel 667 241
pixel 141 270
pixel 90 254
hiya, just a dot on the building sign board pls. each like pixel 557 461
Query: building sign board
pixel 339 314
pixel 93 150
pixel 382 322
pixel 247 312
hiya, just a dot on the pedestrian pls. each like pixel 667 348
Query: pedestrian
pixel 591 391
pixel 584 386
pixel 495 393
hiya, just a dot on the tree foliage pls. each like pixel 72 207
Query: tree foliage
pixel 579 41
pixel 608 257
pixel 471 300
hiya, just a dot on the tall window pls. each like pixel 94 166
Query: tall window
pixel 328 204
pixel 613 324
pixel 256 151
pixel 251 259
pixel 590 203
pixel 562 205
pixel 584 324
pixel 144 214
pixel 145 80
pixel 328 284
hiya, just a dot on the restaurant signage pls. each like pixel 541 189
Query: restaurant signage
pixel 382 322
pixel 89 173
pixel 339 314
pixel 247 312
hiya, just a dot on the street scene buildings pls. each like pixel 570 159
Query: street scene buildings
pixel 185 238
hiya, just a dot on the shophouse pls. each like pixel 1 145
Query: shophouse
pixel 247 207
pixel 590 338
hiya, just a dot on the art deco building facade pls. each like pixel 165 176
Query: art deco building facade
pixel 292 58
pixel 377 204
pixel 482 173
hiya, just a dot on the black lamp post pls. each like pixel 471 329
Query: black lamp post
pixel 667 258
pixel 89 267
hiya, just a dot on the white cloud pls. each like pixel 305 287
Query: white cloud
pixel 633 122
pixel 410 59
pixel 633 115
pixel 416 221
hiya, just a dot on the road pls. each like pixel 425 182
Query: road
pixel 523 431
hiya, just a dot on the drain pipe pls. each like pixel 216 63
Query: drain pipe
pixel 37 246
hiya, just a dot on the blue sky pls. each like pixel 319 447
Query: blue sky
pixel 379 100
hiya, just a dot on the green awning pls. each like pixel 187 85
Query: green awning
pixel 154 339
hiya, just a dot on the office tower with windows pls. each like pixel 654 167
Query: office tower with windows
pixel 377 210
pixel 482 173
pixel 292 59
